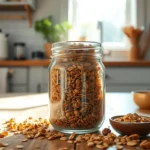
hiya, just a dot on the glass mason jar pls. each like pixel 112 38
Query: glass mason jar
pixel 76 87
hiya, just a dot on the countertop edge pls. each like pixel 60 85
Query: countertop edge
pixel 46 62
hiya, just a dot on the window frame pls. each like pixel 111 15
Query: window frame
pixel 135 16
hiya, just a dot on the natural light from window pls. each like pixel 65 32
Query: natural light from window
pixel 85 14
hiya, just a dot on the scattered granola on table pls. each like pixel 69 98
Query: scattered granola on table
pixel 33 129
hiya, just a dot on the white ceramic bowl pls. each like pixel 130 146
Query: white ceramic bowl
pixel 142 98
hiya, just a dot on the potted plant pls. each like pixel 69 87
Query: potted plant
pixel 51 32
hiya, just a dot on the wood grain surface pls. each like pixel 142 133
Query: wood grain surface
pixel 39 144
pixel 116 104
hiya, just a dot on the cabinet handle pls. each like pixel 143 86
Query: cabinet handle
pixel 38 88
pixel 10 73
pixel 107 76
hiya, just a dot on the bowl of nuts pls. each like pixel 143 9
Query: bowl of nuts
pixel 142 99
pixel 131 124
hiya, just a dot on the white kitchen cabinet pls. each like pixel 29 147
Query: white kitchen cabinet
pixel 45 75
pixel 38 79
pixel 127 79
pixel 18 81
pixel 19 76
pixel 118 79
pixel 45 79
pixel 19 89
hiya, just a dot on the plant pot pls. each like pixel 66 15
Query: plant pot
pixel 48 52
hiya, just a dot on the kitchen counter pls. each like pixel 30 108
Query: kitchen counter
pixel 46 62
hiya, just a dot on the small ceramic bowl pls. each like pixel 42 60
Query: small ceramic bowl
pixel 128 128
pixel 142 99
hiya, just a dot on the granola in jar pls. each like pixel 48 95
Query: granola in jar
pixel 76 87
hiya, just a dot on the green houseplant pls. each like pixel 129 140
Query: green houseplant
pixel 51 32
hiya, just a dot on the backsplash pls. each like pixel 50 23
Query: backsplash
pixel 19 31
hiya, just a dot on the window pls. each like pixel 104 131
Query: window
pixel 86 15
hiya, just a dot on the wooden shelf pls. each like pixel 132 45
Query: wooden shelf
pixel 24 63
pixel 21 17
pixel 12 6
pixel 127 63
pixel 46 62
pixel 17 6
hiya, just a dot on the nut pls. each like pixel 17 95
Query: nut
pixel 90 144
pixel 134 136
pixel 119 147
pixel 70 141
pixel 3 144
pixel 131 143
pixel 106 145
pixel 20 146
pixel 63 148
pixel 145 144
pixel 106 131
pixel 72 136
pixel 36 147
pixel 24 140
pixel 100 146
pixel 63 138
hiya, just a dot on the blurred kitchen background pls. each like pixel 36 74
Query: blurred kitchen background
pixel 23 58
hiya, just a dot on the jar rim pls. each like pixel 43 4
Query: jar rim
pixel 65 44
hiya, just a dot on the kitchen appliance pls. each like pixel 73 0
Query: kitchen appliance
pixel 19 51
pixel 37 55
pixel 3 46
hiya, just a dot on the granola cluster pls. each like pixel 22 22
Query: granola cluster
pixel 132 118
pixel 76 90
pixel 30 127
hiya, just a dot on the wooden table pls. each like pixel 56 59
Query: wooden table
pixel 116 103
